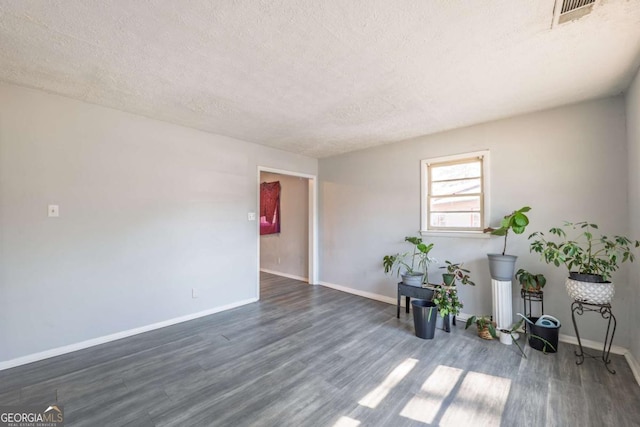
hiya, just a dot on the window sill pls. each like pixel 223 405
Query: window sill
pixel 458 234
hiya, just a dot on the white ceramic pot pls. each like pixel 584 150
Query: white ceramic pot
pixel 590 292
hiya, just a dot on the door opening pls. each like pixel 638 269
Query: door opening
pixel 288 248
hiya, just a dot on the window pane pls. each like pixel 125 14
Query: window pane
pixel 464 186
pixel 458 219
pixel 462 170
pixel 454 191
pixel 455 204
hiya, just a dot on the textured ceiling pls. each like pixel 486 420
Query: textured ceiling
pixel 319 78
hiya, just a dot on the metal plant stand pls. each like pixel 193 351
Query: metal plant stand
pixel 529 297
pixel 579 307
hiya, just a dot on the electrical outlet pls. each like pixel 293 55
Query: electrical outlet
pixel 194 293
pixel 251 216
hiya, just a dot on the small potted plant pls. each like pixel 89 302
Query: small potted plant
pixel 590 259
pixel 486 327
pixel 487 330
pixel 531 282
pixel 412 265
pixel 502 266
pixel 448 303
pixel 454 273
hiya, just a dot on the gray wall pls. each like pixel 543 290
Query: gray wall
pixel 148 211
pixel 633 135
pixel 567 164
pixel 288 251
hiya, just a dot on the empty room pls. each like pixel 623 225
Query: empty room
pixel 289 213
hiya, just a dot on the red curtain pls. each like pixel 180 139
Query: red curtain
pixel 270 207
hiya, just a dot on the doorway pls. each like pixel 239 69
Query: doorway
pixel 297 216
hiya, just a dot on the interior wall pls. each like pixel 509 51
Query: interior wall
pixel 568 163
pixel 633 136
pixel 148 211
pixel 288 251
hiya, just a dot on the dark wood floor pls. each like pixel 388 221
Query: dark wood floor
pixel 311 356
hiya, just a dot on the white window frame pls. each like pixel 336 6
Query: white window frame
pixel 424 195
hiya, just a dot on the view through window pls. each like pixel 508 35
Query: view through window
pixel 454 196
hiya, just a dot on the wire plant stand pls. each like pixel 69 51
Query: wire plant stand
pixel 579 308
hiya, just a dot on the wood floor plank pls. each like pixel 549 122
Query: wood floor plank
pixel 527 402
pixel 309 355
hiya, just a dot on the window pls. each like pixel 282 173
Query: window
pixel 454 193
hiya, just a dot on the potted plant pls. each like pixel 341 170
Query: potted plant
pixel 448 303
pixel 456 272
pixel 487 330
pixel 502 266
pixel 446 295
pixel 486 327
pixel 590 259
pixel 531 282
pixel 411 265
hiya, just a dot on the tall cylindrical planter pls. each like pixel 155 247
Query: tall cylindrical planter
pixel 502 267
pixel 425 314
pixel 502 307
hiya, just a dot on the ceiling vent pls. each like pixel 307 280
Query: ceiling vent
pixel 570 10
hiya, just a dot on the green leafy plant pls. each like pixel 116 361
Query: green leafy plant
pixel 530 281
pixel 460 274
pixel 415 261
pixel 482 322
pixel 584 252
pixel 516 221
pixel 447 301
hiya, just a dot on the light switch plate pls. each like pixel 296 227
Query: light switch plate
pixel 53 211
pixel 251 216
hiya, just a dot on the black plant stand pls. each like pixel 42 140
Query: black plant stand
pixel 529 297
pixel 579 307
pixel 425 293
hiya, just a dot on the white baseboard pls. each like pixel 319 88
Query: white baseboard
pixel 118 335
pixel 595 345
pixel 633 364
pixel 462 317
pixel 287 275
pixel 382 298
pixel 365 294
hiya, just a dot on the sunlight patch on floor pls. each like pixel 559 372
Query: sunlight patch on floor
pixel 426 404
pixel 481 398
pixel 346 422
pixel 377 395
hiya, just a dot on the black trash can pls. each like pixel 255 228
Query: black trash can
pixel 425 314
pixel 550 334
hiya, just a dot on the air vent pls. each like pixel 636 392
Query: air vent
pixel 570 10
pixel 571 5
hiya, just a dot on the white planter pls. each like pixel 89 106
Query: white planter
pixel 590 292
pixel 502 307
